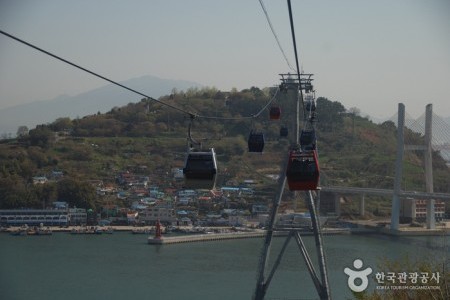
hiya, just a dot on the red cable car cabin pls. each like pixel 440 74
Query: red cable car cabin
pixel 275 113
pixel 303 170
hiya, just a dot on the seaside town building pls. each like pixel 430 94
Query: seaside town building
pixel 416 210
pixel 34 217
pixel 162 212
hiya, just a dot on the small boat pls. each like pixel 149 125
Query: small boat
pixel 43 231
pixel 23 230
pixel 108 230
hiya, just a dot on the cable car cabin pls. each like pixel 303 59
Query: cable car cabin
pixel 256 142
pixel 284 131
pixel 275 113
pixel 308 140
pixel 302 171
pixel 200 170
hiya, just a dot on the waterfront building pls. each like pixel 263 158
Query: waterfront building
pixel 47 217
pixel 34 217
pixel 164 213
pixel 132 217
pixel 77 216
pixel 416 210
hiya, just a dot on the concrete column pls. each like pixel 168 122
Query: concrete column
pixel 395 212
pixel 337 205
pixel 362 204
pixel 431 222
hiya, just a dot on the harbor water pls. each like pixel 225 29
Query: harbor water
pixel 123 266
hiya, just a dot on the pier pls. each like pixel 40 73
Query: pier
pixel 229 235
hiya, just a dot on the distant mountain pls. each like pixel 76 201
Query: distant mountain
pixel 101 100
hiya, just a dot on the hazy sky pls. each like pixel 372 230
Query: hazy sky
pixel 368 54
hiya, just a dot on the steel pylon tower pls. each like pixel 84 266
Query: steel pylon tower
pixel 320 281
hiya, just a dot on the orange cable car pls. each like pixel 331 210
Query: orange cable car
pixel 275 113
pixel 303 170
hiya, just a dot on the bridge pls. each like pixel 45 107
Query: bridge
pixel 385 192
pixel 436 133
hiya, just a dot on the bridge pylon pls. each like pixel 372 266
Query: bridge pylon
pixel 427 148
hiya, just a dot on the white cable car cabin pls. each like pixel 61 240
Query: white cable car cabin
pixel 200 169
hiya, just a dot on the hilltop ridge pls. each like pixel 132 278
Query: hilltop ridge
pixel 100 99
pixel 150 138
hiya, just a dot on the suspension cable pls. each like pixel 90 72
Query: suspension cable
pixel 295 51
pixel 91 72
pixel 275 35
pixel 133 90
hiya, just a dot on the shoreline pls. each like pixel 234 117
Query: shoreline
pixel 360 229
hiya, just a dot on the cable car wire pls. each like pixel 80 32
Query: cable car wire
pixel 191 114
pixel 91 72
pixel 295 50
pixel 245 117
pixel 275 35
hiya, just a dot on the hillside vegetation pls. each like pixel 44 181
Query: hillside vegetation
pixel 151 139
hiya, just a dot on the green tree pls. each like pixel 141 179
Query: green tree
pixel 76 193
pixel 22 131
pixel 46 193
pixel 15 193
pixel 61 124
pixel 41 136
pixel 330 114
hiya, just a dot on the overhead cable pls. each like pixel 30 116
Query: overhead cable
pixel 191 114
pixel 91 72
pixel 275 35
pixel 245 117
pixel 295 50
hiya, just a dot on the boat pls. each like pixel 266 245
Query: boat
pixel 22 230
pixel 108 230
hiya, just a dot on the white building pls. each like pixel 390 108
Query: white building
pixel 34 217
pixel 77 216
pixel 162 213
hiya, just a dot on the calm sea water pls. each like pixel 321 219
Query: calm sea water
pixel 123 266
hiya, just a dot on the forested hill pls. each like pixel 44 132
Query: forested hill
pixel 152 138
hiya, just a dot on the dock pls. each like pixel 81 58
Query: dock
pixel 225 236
pixel 203 237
